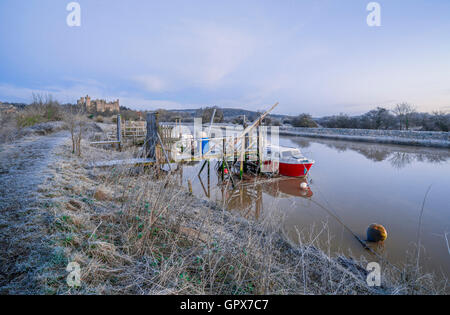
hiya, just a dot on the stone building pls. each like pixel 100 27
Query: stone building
pixel 7 109
pixel 99 106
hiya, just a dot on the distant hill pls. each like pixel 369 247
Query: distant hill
pixel 229 113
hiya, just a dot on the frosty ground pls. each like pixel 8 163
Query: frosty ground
pixel 135 231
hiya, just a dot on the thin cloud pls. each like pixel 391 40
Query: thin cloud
pixel 204 54
pixel 151 83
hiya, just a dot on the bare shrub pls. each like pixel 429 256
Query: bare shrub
pixel 43 109
pixel 76 121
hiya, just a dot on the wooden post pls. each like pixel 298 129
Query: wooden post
pixel 190 186
pixel 164 151
pixel 203 166
pixel 241 159
pixel 209 168
pixel 258 148
pixel 235 151
pixel 209 180
pixel 119 132
pixel 224 157
pixel 246 146
pixel 242 155
pixel 152 135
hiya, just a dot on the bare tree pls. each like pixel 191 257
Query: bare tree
pixel 75 121
pixel 207 113
pixel 403 111
pixel 441 120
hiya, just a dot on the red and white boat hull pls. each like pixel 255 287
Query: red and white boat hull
pixel 295 170
pixel 300 169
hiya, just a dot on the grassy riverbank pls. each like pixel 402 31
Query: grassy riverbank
pixel 133 232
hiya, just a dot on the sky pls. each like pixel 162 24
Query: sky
pixel 319 56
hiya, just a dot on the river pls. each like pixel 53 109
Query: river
pixel 355 184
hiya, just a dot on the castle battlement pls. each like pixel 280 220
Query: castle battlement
pixel 99 106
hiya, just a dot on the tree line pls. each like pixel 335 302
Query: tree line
pixel 402 117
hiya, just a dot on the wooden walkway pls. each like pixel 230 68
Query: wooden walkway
pixel 180 158
pixel 128 162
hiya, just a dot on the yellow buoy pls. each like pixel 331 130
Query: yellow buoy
pixel 376 233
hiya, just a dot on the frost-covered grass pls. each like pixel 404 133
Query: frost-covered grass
pixel 23 215
pixel 135 231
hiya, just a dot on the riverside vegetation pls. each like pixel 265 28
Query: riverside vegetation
pixel 136 231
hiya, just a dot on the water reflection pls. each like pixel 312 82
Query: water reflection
pixel 247 197
pixel 371 190
pixel 287 187
pixel 400 159
pixel 398 156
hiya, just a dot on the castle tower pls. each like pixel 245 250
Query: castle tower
pixel 99 105
pixel 80 102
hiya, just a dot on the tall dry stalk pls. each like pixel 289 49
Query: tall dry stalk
pixel 419 235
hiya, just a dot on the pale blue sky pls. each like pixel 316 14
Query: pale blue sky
pixel 311 56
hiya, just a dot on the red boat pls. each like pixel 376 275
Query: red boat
pixel 286 161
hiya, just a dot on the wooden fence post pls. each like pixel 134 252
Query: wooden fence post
pixel 190 186
pixel 258 148
pixel 119 132
pixel 152 135
pixel 223 156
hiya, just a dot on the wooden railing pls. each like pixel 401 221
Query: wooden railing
pixel 134 129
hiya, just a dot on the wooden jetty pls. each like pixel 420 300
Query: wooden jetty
pixel 165 144
pixel 127 162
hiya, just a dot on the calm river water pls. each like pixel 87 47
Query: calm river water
pixel 360 184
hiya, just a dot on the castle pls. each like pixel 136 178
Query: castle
pixel 99 106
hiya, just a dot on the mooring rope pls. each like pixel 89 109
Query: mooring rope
pixel 363 243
